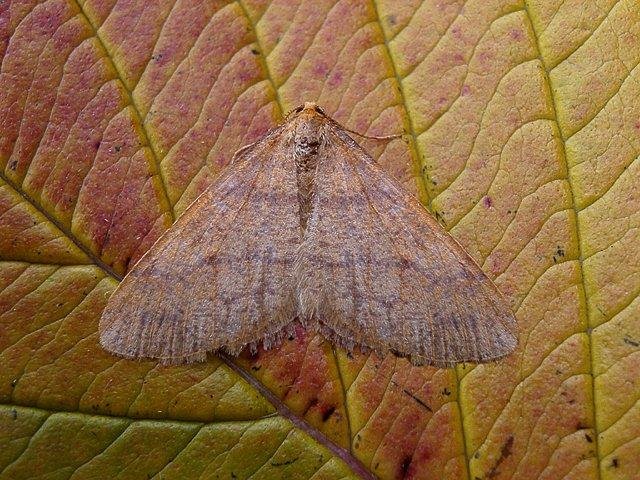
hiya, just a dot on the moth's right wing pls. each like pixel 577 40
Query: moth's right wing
pixel 221 276
pixel 377 270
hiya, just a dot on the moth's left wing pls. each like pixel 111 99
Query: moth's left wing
pixel 377 270
pixel 221 277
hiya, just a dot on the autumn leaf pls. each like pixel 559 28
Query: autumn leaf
pixel 522 137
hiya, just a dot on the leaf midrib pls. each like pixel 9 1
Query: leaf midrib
pixel 58 225
pixel 582 285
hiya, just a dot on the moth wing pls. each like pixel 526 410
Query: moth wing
pixel 221 277
pixel 378 270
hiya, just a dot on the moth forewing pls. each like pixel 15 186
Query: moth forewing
pixel 220 276
pixel 305 227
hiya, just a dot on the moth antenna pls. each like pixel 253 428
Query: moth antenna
pixel 371 137
pixel 375 137
pixel 298 109
pixel 240 151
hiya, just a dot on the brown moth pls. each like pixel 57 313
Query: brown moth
pixel 305 228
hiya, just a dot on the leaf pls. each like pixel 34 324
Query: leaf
pixel 524 140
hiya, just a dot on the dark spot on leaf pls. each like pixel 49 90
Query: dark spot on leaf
pixel 417 400
pixel 286 462
pixel 588 437
pixel 117 148
pixel 504 453
pixel 327 413
pixel 157 57
pixel 446 391
pixel 487 202
pixel 14 414
pixel 630 341
pixel 96 144
pixel 404 466
pixel 255 368
pixel 391 19
pixel 614 462
pixel 13 164
pixel 581 426
pixel 558 255
pixel 310 405
pixel 255 51
pixel 14 382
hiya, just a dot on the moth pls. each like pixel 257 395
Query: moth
pixel 304 228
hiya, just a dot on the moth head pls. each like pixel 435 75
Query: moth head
pixel 308 108
pixel 307 123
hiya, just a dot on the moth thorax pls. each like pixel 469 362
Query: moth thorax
pixel 307 134
pixel 306 146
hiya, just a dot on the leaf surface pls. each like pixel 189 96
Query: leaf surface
pixel 523 139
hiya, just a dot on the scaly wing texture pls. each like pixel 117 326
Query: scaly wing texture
pixel 222 277
pixel 377 269
pixel 522 123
